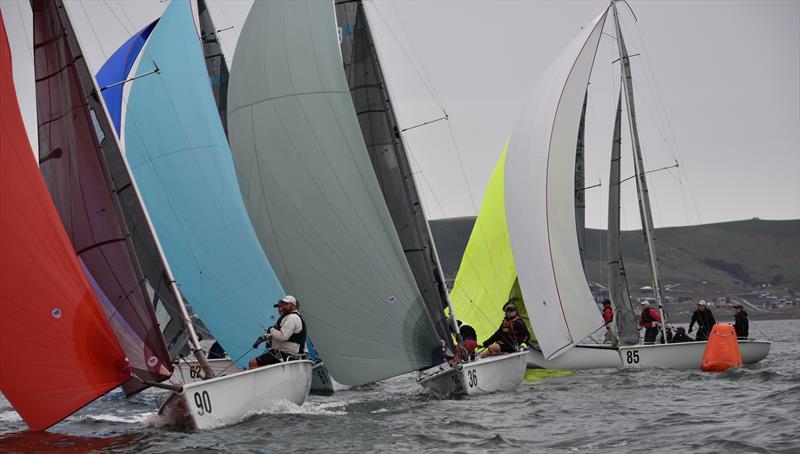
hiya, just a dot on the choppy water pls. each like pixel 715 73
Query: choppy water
pixel 753 409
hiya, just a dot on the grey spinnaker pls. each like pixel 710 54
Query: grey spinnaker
pixel 624 318
pixel 311 191
pixel 387 152
pixel 215 62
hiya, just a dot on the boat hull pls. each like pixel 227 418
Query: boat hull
pixel 226 400
pixel 498 373
pixel 191 371
pixel 577 358
pixel 686 355
pixel 322 383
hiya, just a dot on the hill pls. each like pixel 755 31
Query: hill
pixel 734 256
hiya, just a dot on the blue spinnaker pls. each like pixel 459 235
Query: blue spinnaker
pixel 116 70
pixel 180 158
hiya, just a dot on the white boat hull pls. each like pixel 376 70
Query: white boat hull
pixel 497 373
pixel 322 383
pixel 226 400
pixel 685 355
pixel 577 358
pixel 191 371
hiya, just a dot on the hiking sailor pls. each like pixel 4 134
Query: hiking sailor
pixel 510 336
pixel 287 337
pixel 705 321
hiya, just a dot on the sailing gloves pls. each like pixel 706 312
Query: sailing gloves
pixel 262 338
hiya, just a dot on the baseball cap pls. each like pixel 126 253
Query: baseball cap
pixel 701 303
pixel 289 299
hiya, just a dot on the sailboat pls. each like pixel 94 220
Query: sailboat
pixel 179 156
pixel 540 162
pixel 319 202
pixel 50 314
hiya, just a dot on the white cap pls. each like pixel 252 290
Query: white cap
pixel 286 299
pixel 645 302
pixel 701 303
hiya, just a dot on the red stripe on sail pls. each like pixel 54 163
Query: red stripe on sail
pixel 60 352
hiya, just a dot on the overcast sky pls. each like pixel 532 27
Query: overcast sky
pixel 718 89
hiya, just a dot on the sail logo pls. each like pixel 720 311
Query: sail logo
pixel 345 31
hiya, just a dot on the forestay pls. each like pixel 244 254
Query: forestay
pixel 60 352
pixel 181 161
pixel 84 171
pixel 312 193
pixel 540 192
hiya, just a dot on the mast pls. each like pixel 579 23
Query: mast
pixel 624 319
pixel 641 183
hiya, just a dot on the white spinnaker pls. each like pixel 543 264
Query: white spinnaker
pixel 314 199
pixel 540 200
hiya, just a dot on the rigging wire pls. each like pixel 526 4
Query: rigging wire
pixel 94 32
pixel 127 30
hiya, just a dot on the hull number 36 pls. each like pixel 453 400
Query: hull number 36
pixel 472 375
pixel 632 356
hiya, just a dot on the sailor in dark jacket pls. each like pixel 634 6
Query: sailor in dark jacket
pixel 680 336
pixel 741 325
pixel 510 336
pixel 704 319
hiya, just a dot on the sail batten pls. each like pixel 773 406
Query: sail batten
pixel 52 322
pixel 84 166
pixel 540 179
pixel 311 190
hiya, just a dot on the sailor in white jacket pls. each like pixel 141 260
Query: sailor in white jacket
pixel 287 337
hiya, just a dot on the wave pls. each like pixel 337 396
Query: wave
pixel 10 416
pixel 291 408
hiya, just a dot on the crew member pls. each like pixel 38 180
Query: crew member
pixel 649 321
pixel 470 338
pixel 680 336
pixel 741 324
pixel 608 312
pixel 287 337
pixel 704 319
pixel 510 336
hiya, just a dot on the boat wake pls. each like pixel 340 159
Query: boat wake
pixel 309 408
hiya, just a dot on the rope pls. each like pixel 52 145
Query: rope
pixel 219 374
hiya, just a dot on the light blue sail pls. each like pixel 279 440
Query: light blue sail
pixel 180 158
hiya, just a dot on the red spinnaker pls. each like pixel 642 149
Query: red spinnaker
pixel 59 352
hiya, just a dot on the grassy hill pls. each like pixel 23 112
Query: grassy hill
pixel 731 255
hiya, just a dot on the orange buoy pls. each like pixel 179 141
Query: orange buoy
pixel 722 349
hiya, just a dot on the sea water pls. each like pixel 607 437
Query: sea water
pixel 752 409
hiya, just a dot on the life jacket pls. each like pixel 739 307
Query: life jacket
pixel 297 338
pixel 509 326
pixel 647 318
pixel 608 315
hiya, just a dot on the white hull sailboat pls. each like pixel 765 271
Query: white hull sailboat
pixel 493 374
pixel 685 355
pixel 577 358
pixel 227 400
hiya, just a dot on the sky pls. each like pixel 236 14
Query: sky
pixel 717 87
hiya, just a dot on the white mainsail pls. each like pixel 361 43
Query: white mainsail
pixel 540 182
